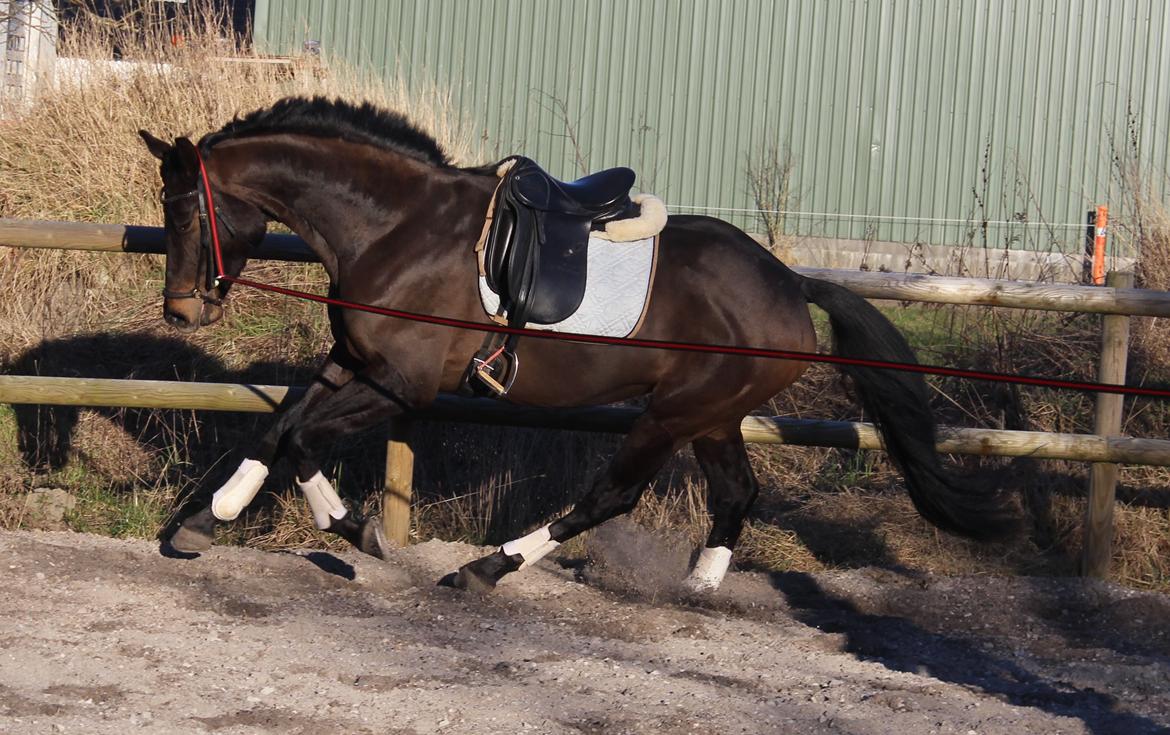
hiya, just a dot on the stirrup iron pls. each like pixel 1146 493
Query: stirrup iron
pixel 486 368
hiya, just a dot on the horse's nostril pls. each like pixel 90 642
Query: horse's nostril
pixel 211 314
pixel 175 319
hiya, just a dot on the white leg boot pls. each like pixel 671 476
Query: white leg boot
pixel 709 570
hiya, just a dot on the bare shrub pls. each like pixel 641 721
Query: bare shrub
pixel 769 176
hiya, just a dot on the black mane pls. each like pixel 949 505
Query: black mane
pixel 323 117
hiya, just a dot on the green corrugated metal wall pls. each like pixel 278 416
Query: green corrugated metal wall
pixel 907 120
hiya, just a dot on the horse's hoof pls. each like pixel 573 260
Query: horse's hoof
pixel 466 579
pixel 191 541
pixel 373 539
pixel 698 587
pixel 195 534
pixel 167 549
pixel 364 534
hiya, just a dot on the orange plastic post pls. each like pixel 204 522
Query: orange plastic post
pixel 1100 223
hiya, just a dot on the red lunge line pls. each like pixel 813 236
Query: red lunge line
pixel 664 344
pixel 717 349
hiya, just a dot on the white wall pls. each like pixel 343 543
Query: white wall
pixel 28 49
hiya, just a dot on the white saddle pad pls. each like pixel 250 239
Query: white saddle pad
pixel 617 289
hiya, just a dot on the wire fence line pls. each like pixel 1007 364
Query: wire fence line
pixel 880 217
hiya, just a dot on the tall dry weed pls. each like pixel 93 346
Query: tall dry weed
pixel 1147 226
pixel 75 154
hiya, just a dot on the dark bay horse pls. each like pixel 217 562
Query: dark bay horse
pixel 395 224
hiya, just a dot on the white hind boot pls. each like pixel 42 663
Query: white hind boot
pixel 710 569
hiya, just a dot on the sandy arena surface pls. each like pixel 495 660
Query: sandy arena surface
pixel 108 636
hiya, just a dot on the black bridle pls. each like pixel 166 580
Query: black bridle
pixel 211 280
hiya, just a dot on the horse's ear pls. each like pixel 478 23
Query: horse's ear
pixel 188 156
pixel 158 148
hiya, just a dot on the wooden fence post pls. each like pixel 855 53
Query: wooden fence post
pixel 1098 533
pixel 397 487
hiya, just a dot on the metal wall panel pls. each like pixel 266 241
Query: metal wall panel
pixel 989 122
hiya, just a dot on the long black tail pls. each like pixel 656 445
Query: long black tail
pixel 897 403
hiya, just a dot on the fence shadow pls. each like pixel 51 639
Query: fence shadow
pixel 525 475
pixel 503 480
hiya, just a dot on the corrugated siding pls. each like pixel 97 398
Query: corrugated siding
pixel 984 121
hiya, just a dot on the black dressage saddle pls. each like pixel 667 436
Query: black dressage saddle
pixel 536 251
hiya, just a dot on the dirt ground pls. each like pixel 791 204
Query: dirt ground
pixel 108 636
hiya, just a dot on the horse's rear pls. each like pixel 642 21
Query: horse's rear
pixel 717 286
pixel 714 285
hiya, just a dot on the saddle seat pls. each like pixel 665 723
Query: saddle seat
pixel 600 196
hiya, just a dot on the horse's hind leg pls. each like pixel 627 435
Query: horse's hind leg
pixel 731 491
pixel 615 491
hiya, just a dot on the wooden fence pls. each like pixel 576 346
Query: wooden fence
pixel 1105 449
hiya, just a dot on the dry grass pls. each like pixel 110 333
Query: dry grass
pixel 75 155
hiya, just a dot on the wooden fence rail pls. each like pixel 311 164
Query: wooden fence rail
pixel 897 286
pixel 1103 449
pixel 756 429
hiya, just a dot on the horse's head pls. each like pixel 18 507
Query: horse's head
pixel 191 297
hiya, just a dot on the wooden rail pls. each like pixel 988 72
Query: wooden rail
pixel 756 429
pixel 897 286
pixel 105 238
pixel 1105 449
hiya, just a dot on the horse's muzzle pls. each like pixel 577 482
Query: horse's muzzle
pixel 187 315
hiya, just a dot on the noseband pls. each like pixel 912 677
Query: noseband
pixel 208 241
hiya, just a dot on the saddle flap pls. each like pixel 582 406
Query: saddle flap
pixel 561 271
pixel 499 248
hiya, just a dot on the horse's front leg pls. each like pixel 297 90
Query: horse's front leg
pixel 196 532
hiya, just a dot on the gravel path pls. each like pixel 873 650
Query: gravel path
pixel 107 636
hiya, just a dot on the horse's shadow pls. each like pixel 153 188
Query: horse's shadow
pixel 195 451
pixel 902 645
pixel 190 448
pixel 45 434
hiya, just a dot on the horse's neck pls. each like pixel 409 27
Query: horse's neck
pixel 339 197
